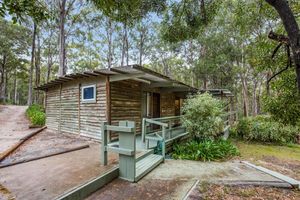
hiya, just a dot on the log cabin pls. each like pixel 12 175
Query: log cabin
pixel 78 103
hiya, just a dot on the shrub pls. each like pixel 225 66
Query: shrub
pixel 283 104
pixel 202 116
pixel 264 129
pixel 207 150
pixel 38 118
pixel 36 114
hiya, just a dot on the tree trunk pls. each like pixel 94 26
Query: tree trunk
pixel 141 48
pixel 37 67
pixel 245 97
pixel 49 66
pixel 254 97
pixel 123 44
pixel 62 39
pixel 29 100
pixel 258 97
pixel 292 29
pixel 2 70
pixel 126 46
pixel 109 32
pixel 205 82
pixel 49 57
pixel 15 86
pixel 5 83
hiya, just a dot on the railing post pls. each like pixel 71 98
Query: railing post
pixel 104 143
pixel 163 145
pixel 143 129
pixel 127 162
pixel 170 126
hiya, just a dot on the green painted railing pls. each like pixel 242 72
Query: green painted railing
pixel 170 128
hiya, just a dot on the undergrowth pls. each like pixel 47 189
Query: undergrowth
pixel 207 150
pixel 36 114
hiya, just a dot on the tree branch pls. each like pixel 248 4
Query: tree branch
pixel 279 38
pixel 277 73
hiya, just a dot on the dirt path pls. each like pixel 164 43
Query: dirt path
pixel 13 125
pixel 174 178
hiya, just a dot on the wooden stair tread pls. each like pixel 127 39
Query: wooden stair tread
pixel 147 164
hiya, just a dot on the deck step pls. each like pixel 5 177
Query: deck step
pixel 147 164
pixel 143 154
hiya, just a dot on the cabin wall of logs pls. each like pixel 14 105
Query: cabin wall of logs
pixel 66 113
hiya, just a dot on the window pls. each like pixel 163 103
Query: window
pixel 88 94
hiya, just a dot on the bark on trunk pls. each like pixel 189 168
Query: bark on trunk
pixel 62 39
pixel 141 47
pixel 123 44
pixel 292 29
pixel 29 100
pixel 37 67
pixel 254 97
pixel 49 57
pixel 245 97
pixel 15 87
pixel 2 70
pixel 109 32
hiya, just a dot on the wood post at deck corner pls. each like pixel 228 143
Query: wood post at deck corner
pixel 104 143
pixel 79 92
pixel 108 104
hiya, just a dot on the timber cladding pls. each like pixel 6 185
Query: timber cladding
pixel 66 113
pixel 126 102
pixel 167 104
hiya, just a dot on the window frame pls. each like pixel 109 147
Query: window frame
pixel 93 100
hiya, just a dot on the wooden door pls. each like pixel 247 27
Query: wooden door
pixel 156 105
pixel 155 108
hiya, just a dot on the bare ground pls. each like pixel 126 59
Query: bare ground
pixel 49 177
pixel 288 167
pixel 42 144
pixel 13 125
pixel 174 178
pixel 216 192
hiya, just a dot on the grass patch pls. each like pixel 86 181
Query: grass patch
pixel 258 151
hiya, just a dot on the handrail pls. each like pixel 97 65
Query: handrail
pixel 157 121
pixel 167 118
pixel 152 121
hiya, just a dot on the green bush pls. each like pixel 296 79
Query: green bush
pixel 207 150
pixel 36 114
pixel 264 129
pixel 202 116
pixel 38 118
pixel 283 103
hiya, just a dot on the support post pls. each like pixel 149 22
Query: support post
pixel 163 145
pixel 127 162
pixel 143 130
pixel 104 143
pixel 108 104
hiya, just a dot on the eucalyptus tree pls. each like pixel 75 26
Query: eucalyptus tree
pixel 14 44
pixel 291 26
pixel 19 10
pixel 128 13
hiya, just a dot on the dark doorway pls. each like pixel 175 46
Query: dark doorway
pixel 156 105
pixel 155 108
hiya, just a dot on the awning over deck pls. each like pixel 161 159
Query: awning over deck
pixel 151 79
